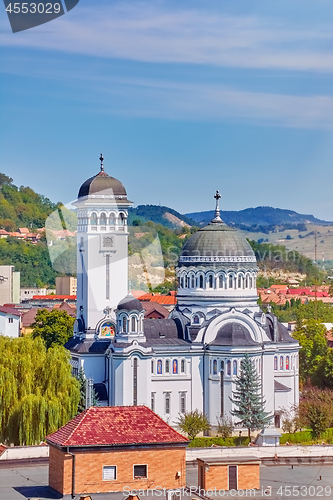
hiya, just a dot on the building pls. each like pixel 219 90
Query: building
pixel 66 285
pixel 10 322
pixel 9 285
pixel 113 449
pixel 27 293
pixel 191 359
pixel 242 473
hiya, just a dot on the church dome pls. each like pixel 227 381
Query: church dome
pixel 102 182
pixel 129 303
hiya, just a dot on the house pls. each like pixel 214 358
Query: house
pixel 10 322
pixel 105 449
pixel 236 473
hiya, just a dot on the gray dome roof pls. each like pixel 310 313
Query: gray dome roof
pixel 102 182
pixel 129 303
pixel 233 334
pixel 216 240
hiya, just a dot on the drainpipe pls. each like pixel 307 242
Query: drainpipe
pixel 73 471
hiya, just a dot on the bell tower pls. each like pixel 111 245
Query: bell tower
pixel 102 253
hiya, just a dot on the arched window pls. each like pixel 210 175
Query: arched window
pixel 175 366
pixel 181 282
pixel 210 281
pixel 240 284
pixel 215 367
pixel 228 367
pixel 192 282
pixel 234 367
pixel 275 363
pixel 200 281
pixel 93 219
pixel 250 282
pixel 182 366
pixel 196 320
pixel 124 324
pixel 287 363
pixel 133 324
pixel 152 366
pixel 231 281
pixel 135 381
pixel 281 363
pixel 159 367
pixel 246 282
pixel 121 219
pixel 102 220
pixel 112 220
pixel 220 281
pixel 167 366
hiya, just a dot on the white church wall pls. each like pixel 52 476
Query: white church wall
pixel 94 367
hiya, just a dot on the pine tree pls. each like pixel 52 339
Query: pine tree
pixel 248 400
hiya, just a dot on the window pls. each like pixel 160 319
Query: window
pixel 135 382
pixel 250 282
pixel 102 220
pixel 152 366
pixel 175 366
pixel 182 366
pixel 167 366
pixel 192 282
pixel 196 319
pixel 231 282
pixel 11 320
pixel 220 281
pixel 121 219
pixel 215 367
pixel 275 363
pixel 159 367
pixel 247 282
pixel 109 472
pixel 112 220
pixel 240 284
pixel 287 363
pixel 181 282
pixel 140 471
pixel 234 367
pixel 133 324
pixel 75 366
pixel 152 401
pixel 201 281
pixel 167 403
pixel 229 367
pixel 93 219
pixel 210 281
pixel 281 363
pixel 182 402
pixel 124 324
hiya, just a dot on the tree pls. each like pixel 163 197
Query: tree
pixel 192 423
pixel 248 400
pixel 225 426
pixel 81 378
pixel 54 327
pixel 38 393
pixel 314 355
pixel 316 408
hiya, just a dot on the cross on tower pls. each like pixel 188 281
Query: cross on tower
pixel 101 160
pixel 217 197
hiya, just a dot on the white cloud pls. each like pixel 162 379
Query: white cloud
pixel 142 32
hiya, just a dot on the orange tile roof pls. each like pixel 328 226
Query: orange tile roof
pixel 161 299
pixel 115 425
pixel 54 297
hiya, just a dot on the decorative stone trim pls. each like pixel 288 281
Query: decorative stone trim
pixel 229 258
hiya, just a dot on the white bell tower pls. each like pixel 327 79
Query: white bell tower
pixel 102 253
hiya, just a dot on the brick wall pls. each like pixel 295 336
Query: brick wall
pixel 216 476
pixel 163 465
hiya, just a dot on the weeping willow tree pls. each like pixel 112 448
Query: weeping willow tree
pixel 38 393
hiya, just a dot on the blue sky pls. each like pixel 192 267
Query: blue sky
pixel 182 97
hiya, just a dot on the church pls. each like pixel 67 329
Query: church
pixel 191 359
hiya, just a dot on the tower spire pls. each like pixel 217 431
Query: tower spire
pixel 217 197
pixel 101 160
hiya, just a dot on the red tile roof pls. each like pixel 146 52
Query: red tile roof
pixel 2 448
pixel 115 425
pixel 10 310
pixel 161 299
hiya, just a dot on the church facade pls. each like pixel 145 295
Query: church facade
pixel 191 359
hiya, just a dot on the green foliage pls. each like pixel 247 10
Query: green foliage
pixel 247 398
pixel 156 214
pixel 315 357
pixel 207 442
pixel 306 437
pixel 31 260
pixel 38 394
pixel 54 327
pixel 316 410
pixel 192 423
pixel 296 311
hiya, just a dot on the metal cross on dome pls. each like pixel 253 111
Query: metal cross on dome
pixel 217 197
pixel 101 160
